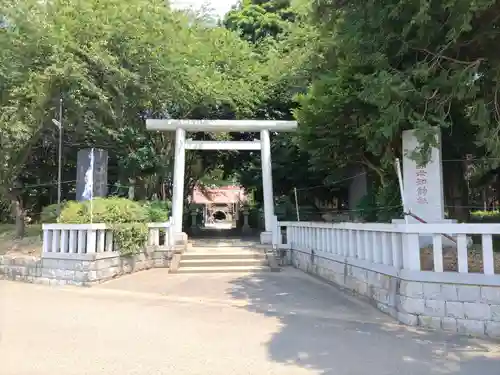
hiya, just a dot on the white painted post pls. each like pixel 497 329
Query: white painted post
pixel 345 242
pixel 81 241
pixel 386 249
pixel 91 241
pixel 489 265
pixel 376 250
pixel 462 256
pixel 367 245
pixel 360 253
pixel 109 241
pixel 397 250
pixel 267 180
pixel 56 241
pixel 178 184
pixel 290 234
pixel 47 240
pixel 73 241
pixel 351 253
pixel 64 240
pixel 101 240
pixel 437 252
pixel 411 253
pixel 170 231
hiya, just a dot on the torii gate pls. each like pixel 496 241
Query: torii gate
pixel 237 126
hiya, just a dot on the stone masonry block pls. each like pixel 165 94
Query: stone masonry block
pixel 449 324
pixel 336 267
pixel 84 265
pixel 477 311
pixel 412 305
pixel 455 310
pixel 81 276
pixel 361 288
pixel 432 291
pixel 429 322
pixel 490 294
pixel 386 297
pixel 495 313
pixel 92 276
pixel 49 263
pixel 411 289
pixel 493 329
pixel 360 274
pixel 42 280
pixel 469 293
pixel 161 263
pixel 49 272
pixel 408 319
pixel 384 281
pixel 470 327
pixel 449 292
pixel 434 308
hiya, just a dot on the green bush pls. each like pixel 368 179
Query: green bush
pixel 157 211
pixel 485 216
pixel 127 219
pixel 49 213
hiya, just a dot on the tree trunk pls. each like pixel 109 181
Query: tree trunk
pixel 19 216
pixel 456 192
pixel 131 189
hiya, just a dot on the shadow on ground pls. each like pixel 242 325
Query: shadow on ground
pixel 325 329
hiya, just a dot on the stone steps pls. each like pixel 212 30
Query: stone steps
pixel 212 258
pixel 226 269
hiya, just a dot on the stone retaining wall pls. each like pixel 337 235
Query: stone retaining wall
pixel 79 269
pixel 467 309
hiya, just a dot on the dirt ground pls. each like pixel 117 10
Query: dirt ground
pixel 450 260
pixel 31 244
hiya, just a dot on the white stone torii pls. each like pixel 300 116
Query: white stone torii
pixel 237 126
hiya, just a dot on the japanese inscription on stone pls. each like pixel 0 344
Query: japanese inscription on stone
pixel 421 185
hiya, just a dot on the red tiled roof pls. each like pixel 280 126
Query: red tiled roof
pixel 222 195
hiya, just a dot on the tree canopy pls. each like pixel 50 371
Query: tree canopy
pixel 354 74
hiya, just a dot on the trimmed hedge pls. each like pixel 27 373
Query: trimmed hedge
pixel 485 216
pixel 128 220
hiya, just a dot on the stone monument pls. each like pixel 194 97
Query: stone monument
pixel 423 184
pixel 99 175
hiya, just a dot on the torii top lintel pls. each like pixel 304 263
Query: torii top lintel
pixel 221 125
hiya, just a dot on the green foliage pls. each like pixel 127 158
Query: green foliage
pixel 104 210
pixel 128 220
pixel 381 204
pixel 130 237
pixel 50 213
pixel 157 211
pixel 485 216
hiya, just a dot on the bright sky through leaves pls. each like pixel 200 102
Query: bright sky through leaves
pixel 220 7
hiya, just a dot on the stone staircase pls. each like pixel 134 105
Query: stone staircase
pixel 222 256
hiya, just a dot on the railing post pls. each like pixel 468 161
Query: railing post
pixel 411 251
pixel 91 241
pixel 47 240
pixel 276 233
pixel 171 239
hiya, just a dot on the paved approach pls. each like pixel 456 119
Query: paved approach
pixel 275 323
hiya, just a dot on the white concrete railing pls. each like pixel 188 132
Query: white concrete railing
pixel 96 238
pixel 392 245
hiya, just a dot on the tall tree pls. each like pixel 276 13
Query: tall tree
pixel 387 67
